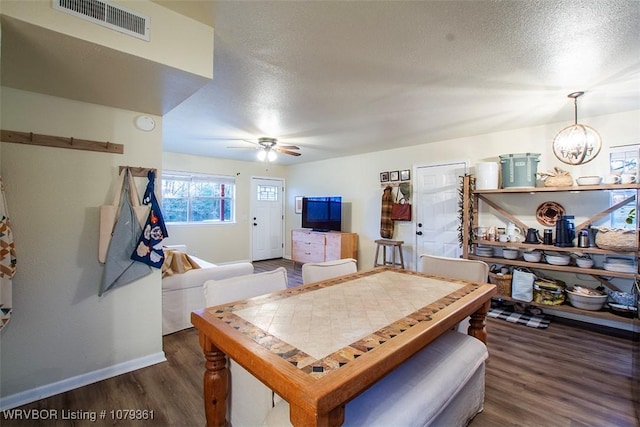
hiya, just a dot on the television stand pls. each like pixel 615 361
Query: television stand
pixel 309 245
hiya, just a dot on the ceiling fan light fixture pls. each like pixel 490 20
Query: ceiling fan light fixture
pixel 576 144
pixel 266 154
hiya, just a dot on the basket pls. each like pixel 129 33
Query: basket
pixel 559 181
pixel 612 239
pixel 502 282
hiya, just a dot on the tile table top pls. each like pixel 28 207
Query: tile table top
pixel 320 328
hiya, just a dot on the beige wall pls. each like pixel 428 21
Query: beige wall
pixel 60 329
pixel 166 45
pixel 220 243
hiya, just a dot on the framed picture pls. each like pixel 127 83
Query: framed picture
pixel 384 176
pixel 394 176
pixel 405 175
pixel 298 204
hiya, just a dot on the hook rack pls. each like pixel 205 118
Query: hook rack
pixel 31 138
pixel 138 170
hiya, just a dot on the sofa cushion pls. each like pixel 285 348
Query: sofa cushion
pixel 416 392
pixel 182 293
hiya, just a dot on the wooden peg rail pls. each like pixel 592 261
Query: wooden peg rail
pixel 138 171
pixel 60 142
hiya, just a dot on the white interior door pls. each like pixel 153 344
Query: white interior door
pixel 436 199
pixel 267 219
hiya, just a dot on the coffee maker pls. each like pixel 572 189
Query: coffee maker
pixel 565 231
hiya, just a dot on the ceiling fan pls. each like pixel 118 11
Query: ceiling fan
pixel 269 146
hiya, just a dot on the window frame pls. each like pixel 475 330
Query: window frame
pixel 194 177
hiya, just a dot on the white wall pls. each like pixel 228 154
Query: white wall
pixel 220 243
pixel 356 178
pixel 61 333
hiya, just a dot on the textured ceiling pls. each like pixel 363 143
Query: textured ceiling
pixel 348 77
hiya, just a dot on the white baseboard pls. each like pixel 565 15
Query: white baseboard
pixel 52 389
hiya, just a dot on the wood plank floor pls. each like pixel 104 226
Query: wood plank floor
pixel 563 376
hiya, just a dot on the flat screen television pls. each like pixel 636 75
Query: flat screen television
pixel 322 213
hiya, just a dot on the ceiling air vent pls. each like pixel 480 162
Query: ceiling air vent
pixel 108 15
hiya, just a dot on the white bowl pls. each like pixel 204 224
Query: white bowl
pixel 533 256
pixel 558 259
pixel 589 180
pixel 586 302
pixel 584 262
pixel 510 253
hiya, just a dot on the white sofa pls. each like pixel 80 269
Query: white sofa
pixel 182 293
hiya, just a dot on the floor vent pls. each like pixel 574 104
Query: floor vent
pixel 108 15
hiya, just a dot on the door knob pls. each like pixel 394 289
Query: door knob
pixel 254 224
pixel 419 224
pixel 419 233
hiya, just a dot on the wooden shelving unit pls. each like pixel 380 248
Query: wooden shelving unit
pixel 602 314
pixel 476 196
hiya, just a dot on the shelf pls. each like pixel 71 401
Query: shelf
pixel 602 314
pixel 551 267
pixel 541 247
pixel 516 190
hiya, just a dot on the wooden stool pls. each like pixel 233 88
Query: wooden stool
pixel 393 244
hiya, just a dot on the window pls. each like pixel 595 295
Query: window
pixel 198 198
pixel 623 160
pixel 267 193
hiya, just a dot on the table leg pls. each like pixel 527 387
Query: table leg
pixel 478 324
pixel 300 417
pixel 216 384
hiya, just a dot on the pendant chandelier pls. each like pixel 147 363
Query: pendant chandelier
pixel 576 144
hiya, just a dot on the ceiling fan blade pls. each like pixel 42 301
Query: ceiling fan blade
pixel 291 153
pixel 288 147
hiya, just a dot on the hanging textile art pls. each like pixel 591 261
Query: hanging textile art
pixel 149 248
pixel 119 268
pixel 386 223
pixel 7 261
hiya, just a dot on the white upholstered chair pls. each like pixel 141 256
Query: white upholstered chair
pixel 456 268
pixel 318 271
pixel 249 400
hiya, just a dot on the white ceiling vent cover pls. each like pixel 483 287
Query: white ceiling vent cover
pixel 108 15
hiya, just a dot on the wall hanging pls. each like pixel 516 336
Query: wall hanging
pixel 7 261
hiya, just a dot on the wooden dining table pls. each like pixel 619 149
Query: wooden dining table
pixel 320 345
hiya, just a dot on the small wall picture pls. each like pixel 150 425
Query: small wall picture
pixel 298 204
pixel 384 176
pixel 405 175
pixel 394 176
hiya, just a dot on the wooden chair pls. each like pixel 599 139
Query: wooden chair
pixel 457 268
pixel 249 400
pixel 318 271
